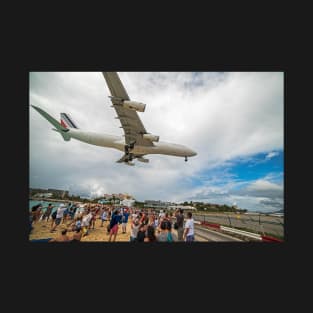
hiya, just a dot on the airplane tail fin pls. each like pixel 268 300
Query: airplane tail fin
pixel 67 121
pixel 58 127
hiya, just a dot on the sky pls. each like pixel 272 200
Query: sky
pixel 233 120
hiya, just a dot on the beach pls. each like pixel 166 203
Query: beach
pixel 41 230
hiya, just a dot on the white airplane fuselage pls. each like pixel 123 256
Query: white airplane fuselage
pixel 118 142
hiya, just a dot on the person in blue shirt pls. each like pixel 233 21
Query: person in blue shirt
pixel 115 220
pixel 124 221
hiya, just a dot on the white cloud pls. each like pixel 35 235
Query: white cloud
pixel 264 185
pixel 271 155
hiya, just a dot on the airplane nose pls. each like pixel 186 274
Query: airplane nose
pixel 193 153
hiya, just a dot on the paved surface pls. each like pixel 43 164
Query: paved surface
pixel 254 223
pixel 203 234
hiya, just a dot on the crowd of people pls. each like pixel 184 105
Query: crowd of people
pixel 146 225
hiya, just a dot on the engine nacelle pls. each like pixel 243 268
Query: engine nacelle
pixel 151 137
pixel 133 105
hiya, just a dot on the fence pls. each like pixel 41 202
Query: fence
pixel 265 225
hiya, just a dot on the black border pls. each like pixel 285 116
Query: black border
pixel 226 259
pixel 180 250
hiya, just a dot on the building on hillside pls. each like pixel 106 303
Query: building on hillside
pixel 157 204
pixel 127 202
pixel 43 195
pixel 58 193
pixel 183 207
pixel 104 201
pixel 118 197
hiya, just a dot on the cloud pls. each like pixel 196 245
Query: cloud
pixel 222 116
pixel 277 204
pixel 271 155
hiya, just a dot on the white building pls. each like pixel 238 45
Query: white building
pixel 183 207
pixel 128 202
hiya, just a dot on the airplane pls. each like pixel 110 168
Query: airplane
pixel 136 141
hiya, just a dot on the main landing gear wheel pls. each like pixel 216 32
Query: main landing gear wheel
pixel 186 159
pixel 132 144
pixel 128 147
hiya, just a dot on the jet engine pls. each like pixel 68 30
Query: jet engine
pixel 151 137
pixel 133 105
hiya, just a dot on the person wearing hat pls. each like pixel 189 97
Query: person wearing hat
pixel 59 216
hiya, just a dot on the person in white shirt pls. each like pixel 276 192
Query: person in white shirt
pixel 161 214
pixel 103 217
pixel 86 222
pixel 134 230
pixel 59 216
pixel 189 234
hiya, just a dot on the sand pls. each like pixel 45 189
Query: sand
pixel 41 229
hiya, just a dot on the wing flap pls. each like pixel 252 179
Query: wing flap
pixel 130 121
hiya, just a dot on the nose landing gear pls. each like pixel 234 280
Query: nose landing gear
pixel 186 159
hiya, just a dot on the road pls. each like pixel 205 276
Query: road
pixel 254 223
pixel 203 234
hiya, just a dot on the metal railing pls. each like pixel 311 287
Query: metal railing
pixel 258 223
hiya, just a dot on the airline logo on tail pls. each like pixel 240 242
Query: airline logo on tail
pixel 67 122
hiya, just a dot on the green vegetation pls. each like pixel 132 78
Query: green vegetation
pixel 139 204
pixel 209 207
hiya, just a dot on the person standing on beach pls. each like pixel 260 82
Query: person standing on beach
pixel 59 216
pixel 47 213
pixel 124 221
pixel 162 236
pixel 103 217
pixel 189 229
pixel 134 230
pixel 180 224
pixel 65 213
pixel 35 212
pixel 150 237
pixel 86 222
pixel 141 234
pixel 115 220
pixel 170 236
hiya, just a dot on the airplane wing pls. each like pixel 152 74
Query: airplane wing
pixel 130 121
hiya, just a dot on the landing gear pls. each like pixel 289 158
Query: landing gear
pixel 130 146
pixel 186 159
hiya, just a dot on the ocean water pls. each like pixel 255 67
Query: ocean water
pixel 44 204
